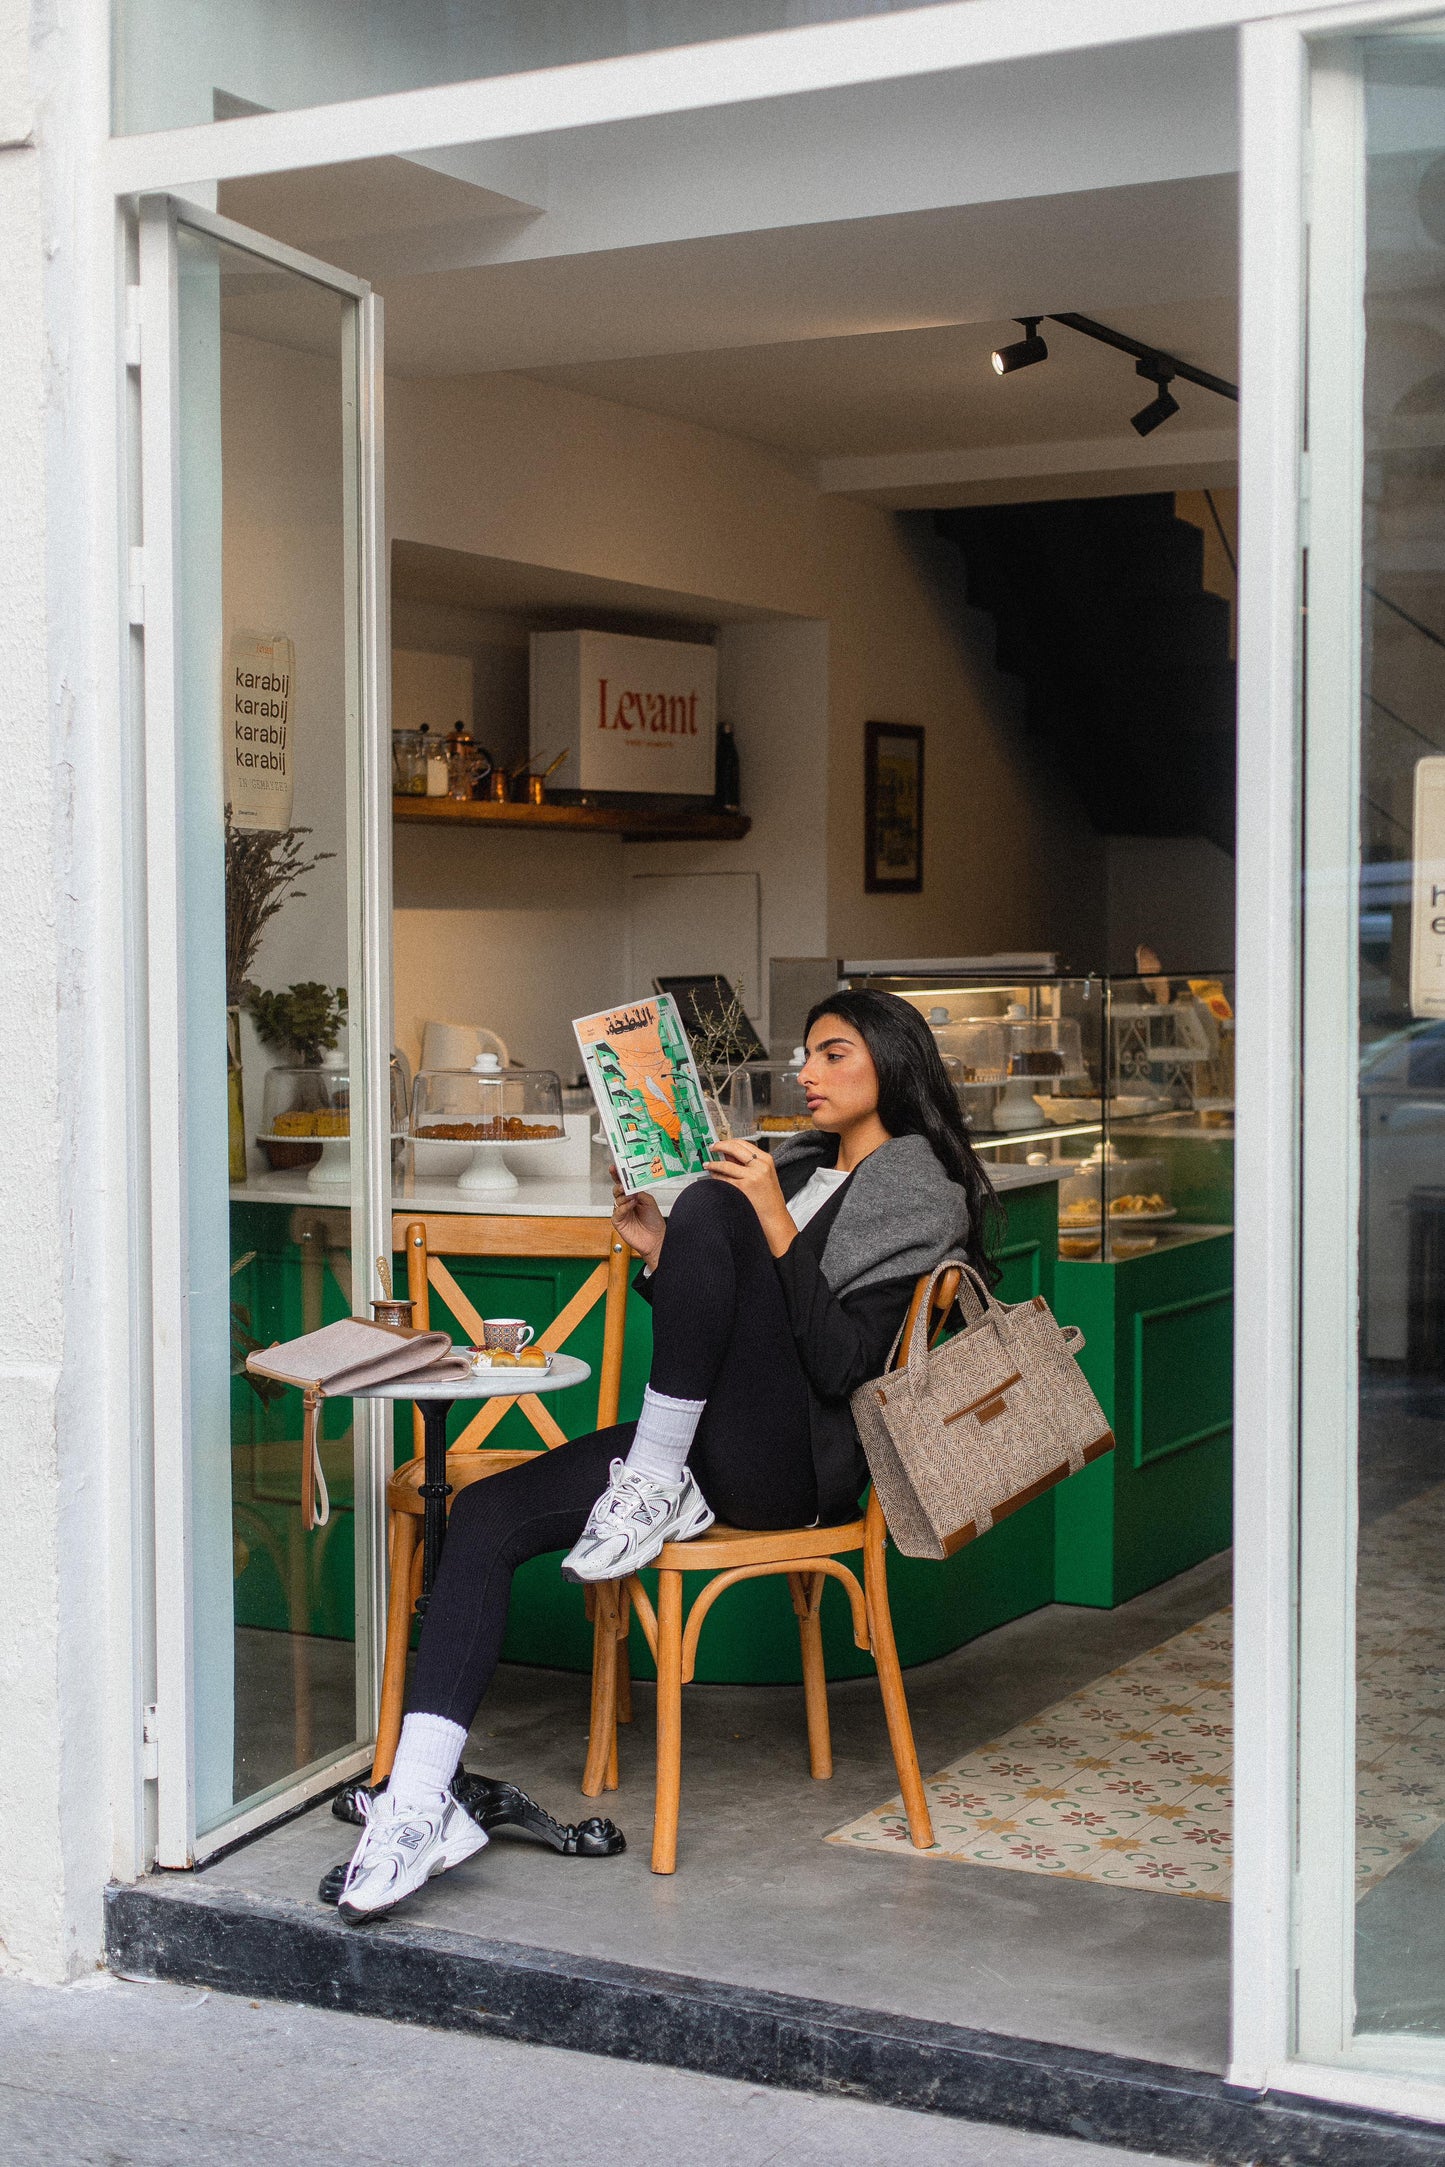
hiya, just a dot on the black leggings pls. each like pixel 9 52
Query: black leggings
pixel 720 1334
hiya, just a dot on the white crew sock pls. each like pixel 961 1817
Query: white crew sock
pixel 665 1431
pixel 426 1760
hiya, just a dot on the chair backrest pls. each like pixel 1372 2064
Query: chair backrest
pixel 430 1239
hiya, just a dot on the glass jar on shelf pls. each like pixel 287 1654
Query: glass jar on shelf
pixel 485 1107
pixel 408 768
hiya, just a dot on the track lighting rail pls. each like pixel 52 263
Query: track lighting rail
pixel 1168 364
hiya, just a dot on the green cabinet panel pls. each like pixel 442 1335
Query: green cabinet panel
pixel 1159 1352
pixel 286 1580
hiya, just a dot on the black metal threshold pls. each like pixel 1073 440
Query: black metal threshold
pixel 177 1929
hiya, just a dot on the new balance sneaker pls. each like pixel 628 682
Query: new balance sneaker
pixel 632 1519
pixel 400 1849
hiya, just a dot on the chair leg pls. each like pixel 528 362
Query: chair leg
pixel 890 1680
pixel 398 1636
pixel 807 1591
pixel 624 1659
pixel 669 1722
pixel 600 1772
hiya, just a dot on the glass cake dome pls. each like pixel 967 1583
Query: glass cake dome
pixel 488 1107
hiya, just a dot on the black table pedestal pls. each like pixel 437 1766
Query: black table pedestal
pixel 435 1490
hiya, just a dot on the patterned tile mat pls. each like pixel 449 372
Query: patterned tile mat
pixel 1129 1781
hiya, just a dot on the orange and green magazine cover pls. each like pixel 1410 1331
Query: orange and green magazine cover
pixel 645 1081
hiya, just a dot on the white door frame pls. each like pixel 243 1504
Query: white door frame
pixel 153 606
pixel 968 34
pixel 1293 1919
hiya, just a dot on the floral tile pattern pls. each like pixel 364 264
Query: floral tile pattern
pixel 1129 1782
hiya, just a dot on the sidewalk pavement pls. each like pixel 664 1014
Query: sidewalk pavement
pixel 117 2074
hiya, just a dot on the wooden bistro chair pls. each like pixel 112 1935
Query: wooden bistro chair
pixel 426 1241
pixel 808 1556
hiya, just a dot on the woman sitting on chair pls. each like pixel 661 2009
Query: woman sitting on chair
pixel 777 1287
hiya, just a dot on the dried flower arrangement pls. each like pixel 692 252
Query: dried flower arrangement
pixel 263 866
pixel 719 1038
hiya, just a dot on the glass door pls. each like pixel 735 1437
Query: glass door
pixel 1370 1917
pixel 259 616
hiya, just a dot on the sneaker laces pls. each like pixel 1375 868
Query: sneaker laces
pixel 631 1498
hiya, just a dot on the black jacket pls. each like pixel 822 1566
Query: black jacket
pixel 842 1341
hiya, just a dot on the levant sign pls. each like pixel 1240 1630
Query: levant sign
pixel 637 714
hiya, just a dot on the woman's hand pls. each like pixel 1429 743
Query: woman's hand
pixel 639 1222
pixel 749 1168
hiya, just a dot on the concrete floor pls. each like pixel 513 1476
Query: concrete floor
pixel 759 1899
pixel 159 2076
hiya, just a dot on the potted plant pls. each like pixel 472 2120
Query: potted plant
pixel 307 1096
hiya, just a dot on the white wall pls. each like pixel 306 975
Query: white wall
pixel 69 1699
pixel 530 473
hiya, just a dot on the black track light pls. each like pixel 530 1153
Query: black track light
pixel 1024 352
pixel 1163 406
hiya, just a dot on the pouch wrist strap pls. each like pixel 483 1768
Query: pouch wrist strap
pixel 315 1498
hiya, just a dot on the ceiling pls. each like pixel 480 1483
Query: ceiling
pixel 829 341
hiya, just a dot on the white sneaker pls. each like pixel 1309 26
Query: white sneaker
pixel 632 1519
pixel 400 1849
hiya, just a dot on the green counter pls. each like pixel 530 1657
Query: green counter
pixel 1158 1333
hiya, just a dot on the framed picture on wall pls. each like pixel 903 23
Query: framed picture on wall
pixel 893 808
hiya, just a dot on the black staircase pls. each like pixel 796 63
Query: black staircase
pixel 1124 655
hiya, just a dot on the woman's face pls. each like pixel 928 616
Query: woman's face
pixel 839 1080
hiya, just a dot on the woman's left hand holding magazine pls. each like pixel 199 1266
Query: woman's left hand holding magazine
pixel 639 1222
pixel 749 1168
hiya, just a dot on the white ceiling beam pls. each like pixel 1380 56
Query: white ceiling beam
pixel 1021 473
pixel 732 71
pixel 1059 126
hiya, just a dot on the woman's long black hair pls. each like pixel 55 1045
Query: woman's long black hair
pixel 915 1098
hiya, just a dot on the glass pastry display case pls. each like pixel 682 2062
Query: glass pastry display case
pixel 1124 1084
pixel 486 1107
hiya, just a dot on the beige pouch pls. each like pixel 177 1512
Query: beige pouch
pixel 342 1358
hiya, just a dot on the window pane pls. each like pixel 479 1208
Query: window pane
pixel 1400 1542
pixel 267 585
pixel 178 62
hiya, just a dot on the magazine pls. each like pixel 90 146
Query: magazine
pixel 645 1081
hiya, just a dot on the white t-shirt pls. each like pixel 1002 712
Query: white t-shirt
pixel 814 1194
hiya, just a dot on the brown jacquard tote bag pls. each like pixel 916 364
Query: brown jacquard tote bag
pixel 964 1433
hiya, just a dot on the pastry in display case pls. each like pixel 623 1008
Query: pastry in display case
pixel 1127 1193
pixel 487 1107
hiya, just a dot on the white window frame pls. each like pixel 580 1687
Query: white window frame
pixel 961 35
pixel 153 603
pixel 1293 1920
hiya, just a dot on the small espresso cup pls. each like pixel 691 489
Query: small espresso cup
pixel 390 1312
pixel 507 1335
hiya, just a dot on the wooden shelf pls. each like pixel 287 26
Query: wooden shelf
pixel 654 823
